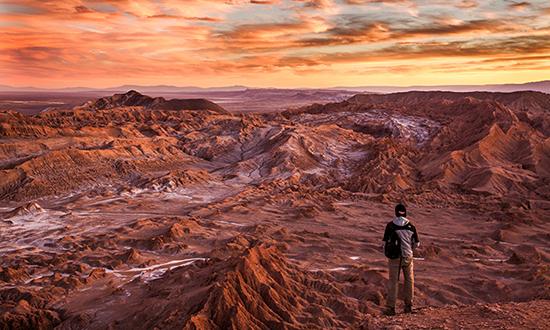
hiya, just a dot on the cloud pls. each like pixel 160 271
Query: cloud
pixel 316 3
pixel 358 2
pixel 260 37
pixel 467 4
pixel 500 49
pixel 60 42
pixel 190 18
pixel 357 31
pixel 519 6
pixel 82 9
pixel 264 2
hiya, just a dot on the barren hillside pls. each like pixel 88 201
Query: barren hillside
pixel 139 212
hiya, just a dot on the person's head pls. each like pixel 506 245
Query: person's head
pixel 400 210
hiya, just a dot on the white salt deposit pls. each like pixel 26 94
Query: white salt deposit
pixel 231 223
pixel 153 272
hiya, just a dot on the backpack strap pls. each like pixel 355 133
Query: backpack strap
pixel 392 228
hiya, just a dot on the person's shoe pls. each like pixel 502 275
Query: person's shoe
pixel 389 311
pixel 409 309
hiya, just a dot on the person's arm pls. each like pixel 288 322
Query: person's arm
pixel 415 240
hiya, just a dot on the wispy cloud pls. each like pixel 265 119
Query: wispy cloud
pixel 519 6
pixel 269 42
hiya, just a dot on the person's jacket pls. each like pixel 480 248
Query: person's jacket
pixel 407 235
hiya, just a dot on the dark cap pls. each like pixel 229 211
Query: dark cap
pixel 400 210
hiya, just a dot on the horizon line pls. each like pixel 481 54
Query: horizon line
pixel 272 87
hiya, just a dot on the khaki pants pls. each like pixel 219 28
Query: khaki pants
pixel 393 284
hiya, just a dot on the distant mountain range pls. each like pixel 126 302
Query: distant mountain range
pixel 539 86
pixel 125 88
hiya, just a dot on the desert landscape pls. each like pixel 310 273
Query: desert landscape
pixel 234 164
pixel 234 99
pixel 138 212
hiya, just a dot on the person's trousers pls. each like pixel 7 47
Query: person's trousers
pixel 393 285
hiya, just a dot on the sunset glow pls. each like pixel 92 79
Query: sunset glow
pixel 278 43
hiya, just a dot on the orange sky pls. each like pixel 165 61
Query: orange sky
pixel 277 43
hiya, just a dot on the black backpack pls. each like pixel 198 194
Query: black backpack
pixel 392 248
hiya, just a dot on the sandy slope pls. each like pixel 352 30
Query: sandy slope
pixel 120 214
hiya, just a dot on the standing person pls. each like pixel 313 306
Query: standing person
pixel 400 239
